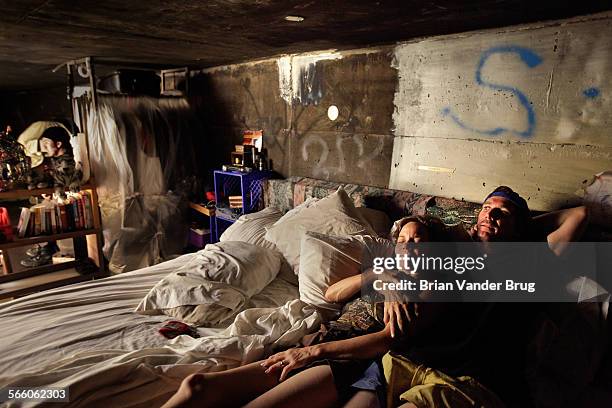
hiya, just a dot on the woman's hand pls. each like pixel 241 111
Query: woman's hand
pixel 289 360
pixel 398 315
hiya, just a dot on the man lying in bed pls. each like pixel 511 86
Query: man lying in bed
pixel 469 340
pixel 493 225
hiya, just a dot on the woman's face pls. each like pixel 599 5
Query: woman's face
pixel 413 232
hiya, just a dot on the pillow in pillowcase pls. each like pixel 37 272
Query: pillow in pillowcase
pixel 327 259
pixel 309 202
pixel 251 228
pixel 334 214
pixel 221 278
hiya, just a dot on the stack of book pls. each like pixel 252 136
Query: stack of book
pixel 235 201
pixel 57 215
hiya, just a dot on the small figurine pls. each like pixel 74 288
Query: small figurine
pixel 14 164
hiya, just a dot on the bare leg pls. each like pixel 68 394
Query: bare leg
pixel 313 387
pixel 363 399
pixel 229 388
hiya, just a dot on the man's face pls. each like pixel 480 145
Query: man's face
pixel 497 220
pixel 49 148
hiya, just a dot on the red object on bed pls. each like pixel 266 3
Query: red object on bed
pixel 174 328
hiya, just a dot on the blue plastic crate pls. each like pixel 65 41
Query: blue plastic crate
pixel 250 186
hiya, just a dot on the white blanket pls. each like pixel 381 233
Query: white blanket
pixel 86 337
pixel 215 285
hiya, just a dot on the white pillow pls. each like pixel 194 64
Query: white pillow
pixel 276 294
pixel 378 220
pixel 251 228
pixel 221 278
pixel 327 259
pixel 334 214
pixel 295 211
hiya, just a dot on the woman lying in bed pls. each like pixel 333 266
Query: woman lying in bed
pixel 465 352
pixel 405 231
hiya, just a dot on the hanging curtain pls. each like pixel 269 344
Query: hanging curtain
pixel 143 159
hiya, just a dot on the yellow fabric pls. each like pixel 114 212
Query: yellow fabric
pixel 429 388
pixel 29 139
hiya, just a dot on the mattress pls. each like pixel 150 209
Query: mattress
pixel 87 338
pixel 94 315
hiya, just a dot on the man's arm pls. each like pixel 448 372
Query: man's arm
pixel 376 344
pixel 562 226
pixel 368 346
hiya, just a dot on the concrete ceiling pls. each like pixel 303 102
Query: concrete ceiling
pixel 37 35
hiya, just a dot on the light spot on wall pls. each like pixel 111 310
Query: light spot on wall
pixel 332 112
pixel 299 80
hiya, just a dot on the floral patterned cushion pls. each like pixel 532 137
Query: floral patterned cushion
pixel 358 317
pixel 454 212
pixel 288 193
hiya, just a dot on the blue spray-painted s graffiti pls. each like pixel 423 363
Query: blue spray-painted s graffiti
pixel 531 59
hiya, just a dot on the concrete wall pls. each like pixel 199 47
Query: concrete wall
pixel 289 97
pixel 525 106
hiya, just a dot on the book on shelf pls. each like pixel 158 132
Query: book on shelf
pixel 235 201
pixel 88 211
pixel 24 219
pixel 54 216
pixel 37 221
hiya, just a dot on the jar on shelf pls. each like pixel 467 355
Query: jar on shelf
pixel 14 164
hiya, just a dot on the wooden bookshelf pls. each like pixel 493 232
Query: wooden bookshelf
pixel 25 193
pixel 26 286
pixel 202 209
pixel 39 270
pixel 46 238
pixel 87 245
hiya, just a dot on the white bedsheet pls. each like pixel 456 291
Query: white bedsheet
pixel 87 337
pixel 215 285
